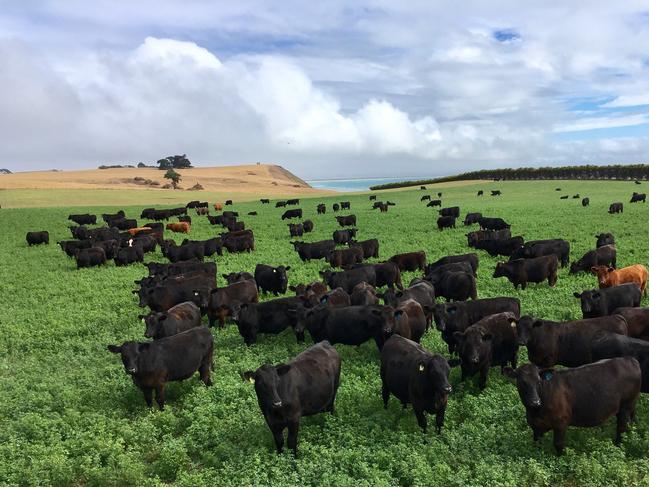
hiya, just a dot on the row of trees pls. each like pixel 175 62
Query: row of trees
pixel 174 162
pixel 621 172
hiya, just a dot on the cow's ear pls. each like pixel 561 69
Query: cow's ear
pixel 292 288
pixel 537 323
pixel 454 362
pixel 282 369
pixel 225 276
pixel 593 270
pixel 287 268
pixel 577 295
pixel 546 374
pixel 458 335
pixel 509 372
pixel 141 317
pixel 114 349
pixel 249 376
pixel 487 336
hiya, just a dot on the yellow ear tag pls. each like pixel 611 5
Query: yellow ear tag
pixel 513 323
pixel 421 367
pixel 251 380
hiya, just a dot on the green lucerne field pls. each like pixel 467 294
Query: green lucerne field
pixel 71 416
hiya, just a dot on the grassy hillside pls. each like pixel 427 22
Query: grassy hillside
pixel 70 415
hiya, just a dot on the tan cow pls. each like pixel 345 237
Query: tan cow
pixel 607 276
pixel 180 227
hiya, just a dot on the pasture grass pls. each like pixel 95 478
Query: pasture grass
pixel 70 415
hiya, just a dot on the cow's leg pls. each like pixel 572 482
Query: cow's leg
pixel 148 396
pixel 385 394
pixel 278 436
pixel 204 369
pixel 482 381
pixel 160 395
pixel 421 419
pixel 439 420
pixel 293 428
pixel 537 433
pixel 559 439
pixel 624 416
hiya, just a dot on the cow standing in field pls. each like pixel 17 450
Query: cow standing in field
pixel 37 238
pixel 271 279
pixel 602 302
pixel 521 271
pixel 637 197
pixel 410 261
pixel 445 222
pixel 616 208
pixel 177 319
pixel 585 202
pixel 604 256
pixel 180 227
pixel 605 239
pixel 608 276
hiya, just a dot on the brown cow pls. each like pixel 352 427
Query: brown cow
pixel 202 211
pixel 218 206
pixel 608 276
pixel 135 231
pixel 180 227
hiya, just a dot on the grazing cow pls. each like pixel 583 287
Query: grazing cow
pixel 445 222
pixel 307 225
pixel 134 231
pixel 349 278
pixel 363 294
pixel 181 227
pixel 439 195
pixel 293 202
pixel 370 247
pixel 387 274
pixel 223 302
pixel 425 197
pixel 539 248
pixel 218 206
pixel 228 202
pixel 315 250
pixel 147 242
pixel 638 182
pixel 350 325
pixel 345 205
pixel 373 197
pixel 211 246
pixel 296 229
pixel 616 208
pixel 336 298
pixel 496 193
pixel 610 345
pixel 107 217
pixel 345 257
pixel 233 226
pixel 602 302
pixel 453 211
pixel 488 343
pixel 111 248
pixel 238 242
pixel 576 196
pixel 152 364
pixel 608 276
pixel 129 255
pixel 37 238
pixel 305 386
pixel 637 197
pixel 252 213
pixel 521 271
pixel 454 286
pixel 585 202
pixel 124 223
pixel 487 223
pixel 321 209
pixel 422 187
pixel 410 320
pixel 637 319
pixel 346 221
pixel 335 207
pixel 280 204
pixel 605 239
pixel 234 277
pixel 271 279
pixel 202 211
pixel 84 219
pixel 264 201
pixel 91 257
pixel 344 236
pixel 474 237
pixel 458 316
pixel 416 376
pixel 181 317
pixel 433 203
pixel 272 317
pixel 504 247
pixel 472 218
pixel 410 261
pixel 571 343
pixel 297 213
pixel 604 256
pixel 419 290
pixel 472 259
pixel 185 252
pixel 556 399
pixel 480 193
pixel 166 270
pixel 71 246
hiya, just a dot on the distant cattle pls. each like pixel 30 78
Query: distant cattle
pixel 585 202
pixel 180 227
pixel 202 211
pixel 307 225
pixel 415 376
pixel 496 193
pixel 410 261
pixel 372 197
pixel 422 187
pixel 335 207
pixel 345 221
pixel 222 302
pixel 496 247
pixel 425 197
pixel 37 238
pixel 538 248
pixel 521 271
pixel 492 223
pixel 474 237
pixel 605 255
pixel 305 386
pixel 296 229
pixel 616 208
pixel 637 197
pixel 344 236
pixel 349 278
pixel 345 257
pixel 480 193
pixel 71 246
pixel 264 201
pixel 565 197
pixel 605 239
pixel 608 276
pixel 271 279
pixel 602 302
pixel 370 247
pixel 321 209
pixel 445 222
pixel 453 211
pixel 576 196
pixel 472 218
pixel 152 364
pixel 228 202
pixel 211 246
pixel 315 250
pixel 345 205
pixel 297 213
pixel 472 259
pixel 270 317
pixel 90 257
pixel 556 399
pixel 293 202
pixel 84 219
pixel 280 204
pixel 218 207
pixel 129 255
pixel 252 213
pixel 433 203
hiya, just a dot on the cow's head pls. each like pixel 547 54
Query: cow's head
pixel 602 272
pixel 152 323
pixel 530 381
pixel 280 277
pixel 473 343
pixel 525 328
pixel 246 319
pixel 130 352
pixel 501 269
pixel 590 302
pixel 266 380
pixel 434 371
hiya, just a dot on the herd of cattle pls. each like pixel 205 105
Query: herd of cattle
pixel 605 354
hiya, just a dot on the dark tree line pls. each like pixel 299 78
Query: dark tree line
pixel 620 172
pixel 174 162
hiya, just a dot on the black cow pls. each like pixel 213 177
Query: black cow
pixel 252 213
pixel 271 279
pixel 296 229
pixel 152 364
pixel 433 203
pixel 480 193
pixel 166 270
pixel 363 294
pixel 168 294
pixel 111 248
pixel 280 204
pixel 370 247
pixel 425 197
pixel 37 238
pixel 458 316
pixel 346 221
pixel 351 325
pixel 487 223
pixel 602 302
pixel 305 386
pixel 472 259
pixel 445 222
pixel 129 255
pixel 297 213
pixel 181 317
pixel 521 271
pixel 373 197
pixel 637 319
pixel 315 250
pixel 474 237
pixel 293 202
pixel 488 343
pixel 605 255
pixel 345 257
pixel 472 218
pixel 272 317
pixel 238 243
pixel 228 202
pixel 345 205
pixel 504 247
pixel 416 376
pixel 225 301
pixel 610 345
pixel 335 207
pixel 83 219
pixel 454 286
pixel 496 192
pixel 604 239
pixel 264 201
pixel 91 257
pixel 420 291
pixel 410 320
pixel 585 202
pixel 321 209
pixel 210 246
pixel 71 246
pixel 344 236
pixel 564 197
pixel 233 277
pixel 113 216
pixel 450 211
pixel 336 298
pixel 539 248
pixel 387 274
pixel 185 252
pixel 349 278
pixel 616 208
pixel 637 197
pixel 410 261
pixel 307 225
pixel 550 343
pixel 576 196
pixel 584 396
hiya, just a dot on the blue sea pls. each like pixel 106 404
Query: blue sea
pixel 351 185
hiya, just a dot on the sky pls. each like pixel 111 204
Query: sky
pixel 333 89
